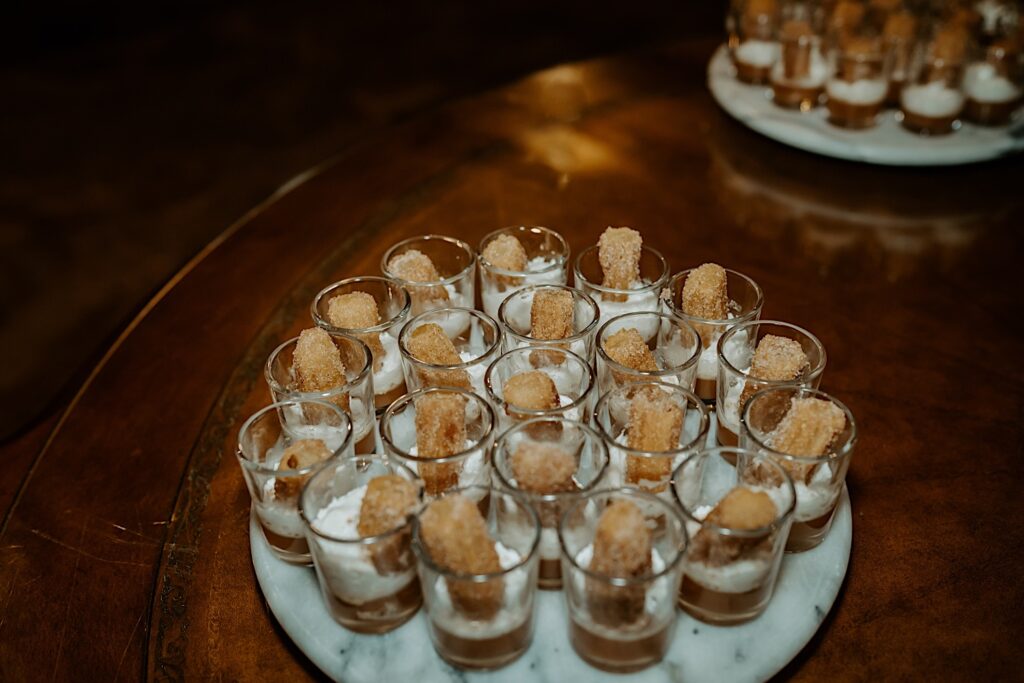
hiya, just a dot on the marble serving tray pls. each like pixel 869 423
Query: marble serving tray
pixel 888 143
pixel 807 587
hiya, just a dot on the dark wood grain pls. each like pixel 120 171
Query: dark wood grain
pixel 126 552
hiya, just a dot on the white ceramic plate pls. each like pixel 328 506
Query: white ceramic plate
pixel 808 585
pixel 888 143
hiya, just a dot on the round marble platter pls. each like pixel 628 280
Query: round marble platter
pixel 807 586
pixel 888 143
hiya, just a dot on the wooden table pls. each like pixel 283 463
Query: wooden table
pixel 125 552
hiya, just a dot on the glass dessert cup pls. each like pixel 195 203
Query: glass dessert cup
pixel 932 98
pixel 456 264
pixel 514 316
pixel 571 375
pixel 730 573
pixel 736 386
pixel 262 441
pixel 798 77
pixel 745 302
pixel 621 624
pixel 858 83
pixel 468 641
pixel 673 342
pixel 591 458
pixel 475 337
pixel 355 397
pixel 818 481
pixel 752 29
pixel 394 305
pixel 649 471
pixel 993 86
pixel 547 264
pixel 643 296
pixel 369 584
pixel 469 467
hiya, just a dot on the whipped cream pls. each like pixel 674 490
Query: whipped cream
pixel 390 374
pixel 494 293
pixel 815 498
pixel 983 83
pixel 280 516
pixel 347 567
pixel 636 302
pixel 760 53
pixel 863 91
pixel 729 411
pixel 658 592
pixel 814 78
pixel 742 575
pixel 473 470
pixel 550 547
pixel 935 100
pixel 454 323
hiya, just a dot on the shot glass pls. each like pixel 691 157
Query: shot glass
pixel 262 442
pixel 455 262
pixel 515 315
pixel 621 624
pixel 994 84
pixel 899 39
pixel 478 344
pixel 798 77
pixel 643 296
pixel 355 397
pixel 547 264
pixel 736 385
pixel 368 583
pixel 590 454
pixel 818 481
pixel 673 342
pixel 753 27
pixel 393 305
pixel 571 375
pixel 644 469
pixel 745 302
pixel 469 466
pixel 730 572
pixel 932 98
pixel 858 82
pixel 465 639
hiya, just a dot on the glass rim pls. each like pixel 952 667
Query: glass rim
pixel 804 377
pixel 276 406
pixel 276 387
pixel 524 558
pixel 702 432
pixel 587 299
pixel 451 279
pixel 754 312
pixel 655 284
pixel 402 401
pixel 619 367
pixel 627 491
pixel 781 517
pixel 364 540
pixel 500 447
pixel 832 455
pixel 485 319
pixel 576 402
pixel 398 318
pixel 561 258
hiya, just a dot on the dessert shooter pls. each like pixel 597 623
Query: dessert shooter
pixel 437 271
pixel 712 299
pixel 649 428
pixel 373 310
pixel 622 557
pixel 433 356
pixel 517 257
pixel 899 38
pixel 845 19
pixel 444 435
pixel 738 520
pixel 279 447
pixel 550 314
pixel 647 346
pixel 479 576
pixel 621 274
pixel 358 517
pixel 811 435
pixel 858 82
pixel 776 354
pixel 993 85
pixel 752 26
pixel 798 77
pixel 541 381
pixel 931 100
pixel 550 462
pixel 333 367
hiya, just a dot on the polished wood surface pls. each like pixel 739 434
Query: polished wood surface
pixel 125 554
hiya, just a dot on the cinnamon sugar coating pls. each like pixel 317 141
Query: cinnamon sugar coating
pixel 355 311
pixel 543 467
pixel 619 254
pixel 551 314
pixel 429 344
pixel 299 455
pixel 440 432
pixel 507 253
pixel 776 359
pixel 415 266
pixel 808 429
pixel 626 347
pixel 530 390
pixel 318 366
pixel 741 509
pixel 622 549
pixel 705 293
pixel 388 503
pixel 655 424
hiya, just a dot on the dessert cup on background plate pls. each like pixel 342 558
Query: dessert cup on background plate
pixel 516 312
pixel 642 296
pixel 547 263
pixel 477 342
pixel 673 342
pixel 753 45
pixel 455 264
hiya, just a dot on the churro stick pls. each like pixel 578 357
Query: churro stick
pixel 807 429
pixel 626 347
pixel 706 295
pixel 796 53
pixel 778 359
pixel 455 535
pixel 618 250
pixel 532 390
pixel 318 366
pixel 754 15
pixel 355 311
pixel 741 509
pixel 440 432
pixel 543 467
pixel 655 424
pixel 415 266
pixel 858 46
pixel 551 317
pixel 622 549
pixel 387 505
pixel 429 344
pixel 506 253
pixel 299 455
